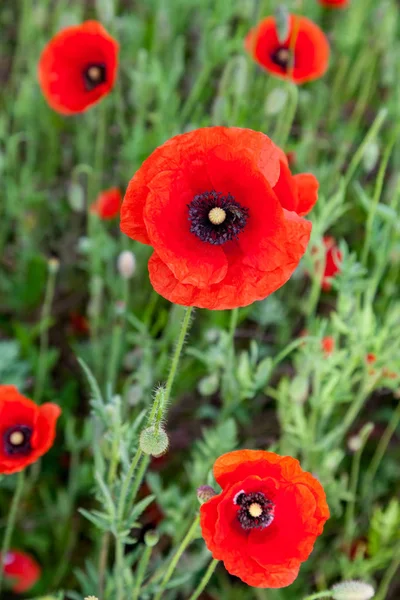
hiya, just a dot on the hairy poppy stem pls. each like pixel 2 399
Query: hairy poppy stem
pixel 12 515
pixel 175 559
pixel 177 353
pixel 203 583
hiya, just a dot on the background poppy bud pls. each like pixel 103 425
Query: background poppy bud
pixel 352 590
pixel 151 538
pixel 154 441
pixel 126 264
pixel 53 265
pixel 282 22
pixel 204 493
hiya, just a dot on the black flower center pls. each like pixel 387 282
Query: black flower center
pixel 94 75
pixel 283 57
pixel 17 440
pixel 256 511
pixel 216 219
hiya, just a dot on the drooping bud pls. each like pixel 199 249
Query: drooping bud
pixel 53 264
pixel 126 264
pixel 205 493
pixel 154 441
pixel 352 590
pixel 282 19
pixel 151 538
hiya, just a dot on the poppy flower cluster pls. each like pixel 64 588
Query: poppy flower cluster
pixel 266 519
pixel 303 56
pixel 78 67
pixel 21 570
pixel 27 431
pixel 223 213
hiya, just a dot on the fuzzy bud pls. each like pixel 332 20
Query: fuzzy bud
pixel 205 493
pixel 154 441
pixel 53 265
pixel 352 590
pixel 151 538
pixel 91 598
pixel 126 264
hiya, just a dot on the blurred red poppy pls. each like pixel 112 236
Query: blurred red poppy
pixel 302 56
pixel 78 67
pixel 221 236
pixel 328 344
pixel 265 521
pixel 334 3
pixel 27 431
pixel 21 569
pixel 107 204
pixel 333 259
pixel 370 358
pixel 79 324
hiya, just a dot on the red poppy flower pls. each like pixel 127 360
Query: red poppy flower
pixel 333 259
pixel 27 431
pixel 328 344
pixel 265 521
pixel 334 3
pixel 78 67
pixel 370 358
pixel 107 204
pixel 21 569
pixel 222 236
pixel 303 56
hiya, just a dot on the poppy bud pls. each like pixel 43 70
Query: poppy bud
pixel 352 590
pixel 204 493
pixel 151 538
pixel 154 441
pixel 53 264
pixel 126 264
pixel 91 598
pixel 275 101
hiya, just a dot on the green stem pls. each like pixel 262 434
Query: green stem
pixel 141 571
pixel 126 484
pixel 44 335
pixel 117 340
pixel 325 594
pixel 119 568
pixel 387 578
pixel 177 353
pixel 175 559
pixel 203 583
pixel 12 515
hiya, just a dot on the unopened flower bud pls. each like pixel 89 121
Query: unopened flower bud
pixel 354 443
pixel 53 265
pixel 352 590
pixel 126 264
pixel 204 493
pixel 91 598
pixel 151 538
pixel 154 441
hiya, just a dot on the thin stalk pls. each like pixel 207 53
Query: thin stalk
pixel 177 353
pixel 141 572
pixel 11 519
pixel 117 338
pixel 44 335
pixel 175 559
pixel 203 583
pixel 389 575
pixel 126 484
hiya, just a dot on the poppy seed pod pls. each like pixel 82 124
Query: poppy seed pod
pixel 126 264
pixel 352 590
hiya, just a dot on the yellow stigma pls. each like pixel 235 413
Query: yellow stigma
pixel 255 510
pixel 217 215
pixel 17 438
pixel 94 73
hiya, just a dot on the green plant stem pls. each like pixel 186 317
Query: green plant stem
pixel 12 515
pixel 126 484
pixel 325 594
pixel 388 576
pixel 177 353
pixel 141 571
pixel 203 583
pixel 44 335
pixel 117 340
pixel 175 559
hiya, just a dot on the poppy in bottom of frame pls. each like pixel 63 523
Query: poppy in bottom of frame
pixel 266 519
pixel 21 570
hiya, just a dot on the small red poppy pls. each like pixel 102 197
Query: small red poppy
pixel 265 521
pixel 328 344
pixel 27 431
pixel 334 3
pixel 303 56
pixel 22 570
pixel 78 67
pixel 333 259
pixel 107 204
pixel 206 202
pixel 370 358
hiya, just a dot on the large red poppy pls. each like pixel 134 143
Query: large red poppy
pixel 302 56
pixel 27 431
pixel 78 67
pixel 107 204
pixel 334 3
pixel 222 235
pixel 21 569
pixel 265 521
